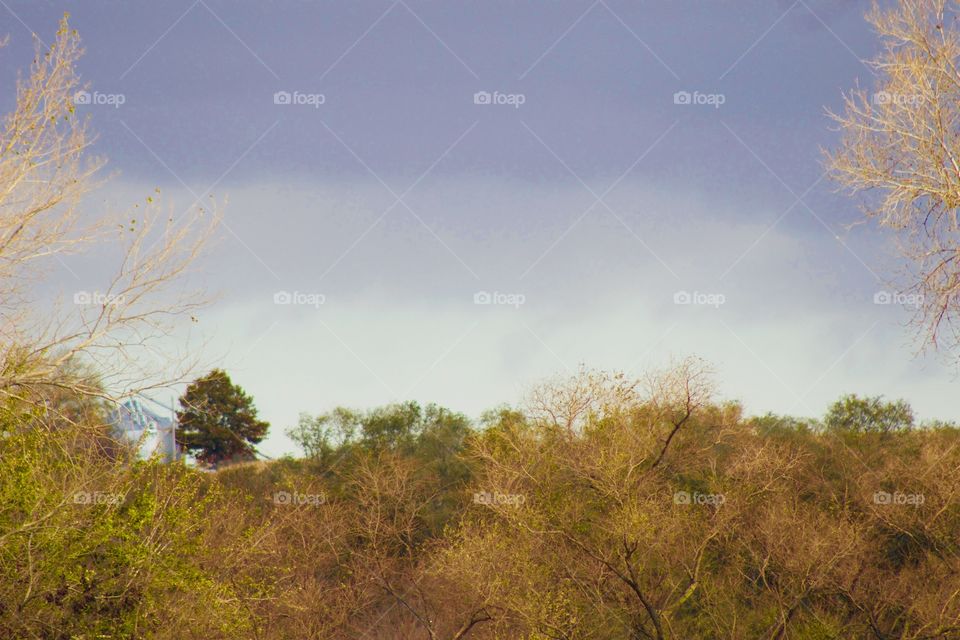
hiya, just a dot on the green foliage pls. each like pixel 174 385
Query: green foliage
pixel 431 438
pixel 217 420
pixel 433 434
pixel 853 414
pixel 771 425
pixel 798 547
pixel 393 427
pixel 319 436
pixel 94 547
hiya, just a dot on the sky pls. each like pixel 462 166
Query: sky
pixel 451 201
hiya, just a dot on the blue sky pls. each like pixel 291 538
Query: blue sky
pixel 589 194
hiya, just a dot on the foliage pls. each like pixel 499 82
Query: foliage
pixel 217 420
pixel 604 508
pixel 96 546
pixel 868 415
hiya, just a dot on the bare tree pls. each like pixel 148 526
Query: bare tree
pixel 586 495
pixel 45 170
pixel 901 149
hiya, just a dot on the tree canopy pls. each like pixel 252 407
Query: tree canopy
pixel 217 420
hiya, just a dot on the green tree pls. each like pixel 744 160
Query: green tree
pixel 406 428
pixel 854 414
pixel 324 435
pixel 217 420
pixel 393 427
pixel 93 546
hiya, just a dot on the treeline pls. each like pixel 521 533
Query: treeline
pixel 604 507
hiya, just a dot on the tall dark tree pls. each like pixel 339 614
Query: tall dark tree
pixel 217 421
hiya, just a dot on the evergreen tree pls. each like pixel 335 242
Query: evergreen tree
pixel 217 420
